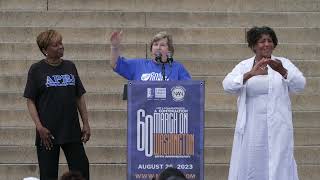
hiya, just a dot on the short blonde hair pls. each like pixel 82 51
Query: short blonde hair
pixel 163 35
pixel 45 37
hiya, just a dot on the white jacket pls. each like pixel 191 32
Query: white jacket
pixel 282 165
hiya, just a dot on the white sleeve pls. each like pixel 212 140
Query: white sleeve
pixel 233 82
pixel 295 79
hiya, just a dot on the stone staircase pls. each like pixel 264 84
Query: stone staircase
pixel 209 38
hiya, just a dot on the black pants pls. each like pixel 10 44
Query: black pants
pixel 49 160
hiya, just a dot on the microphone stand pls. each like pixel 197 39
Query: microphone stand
pixel 163 68
pixel 169 60
pixel 158 58
pixel 163 71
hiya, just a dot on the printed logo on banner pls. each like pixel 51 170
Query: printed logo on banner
pixel 160 93
pixel 178 93
pixel 149 93
pixel 165 133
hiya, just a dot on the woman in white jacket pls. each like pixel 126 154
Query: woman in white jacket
pixel 263 140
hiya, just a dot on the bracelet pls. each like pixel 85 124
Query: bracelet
pixel 285 75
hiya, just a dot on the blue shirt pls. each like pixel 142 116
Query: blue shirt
pixel 149 70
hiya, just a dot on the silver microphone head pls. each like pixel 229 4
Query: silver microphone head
pixel 158 56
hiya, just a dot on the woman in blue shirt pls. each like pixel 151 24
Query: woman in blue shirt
pixel 161 46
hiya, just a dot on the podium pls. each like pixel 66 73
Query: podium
pixel 165 128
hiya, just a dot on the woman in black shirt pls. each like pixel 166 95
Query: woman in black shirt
pixel 54 95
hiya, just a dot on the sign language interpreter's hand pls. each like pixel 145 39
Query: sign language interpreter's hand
pixel 260 67
pixel 277 66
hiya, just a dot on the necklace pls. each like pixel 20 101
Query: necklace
pixel 53 63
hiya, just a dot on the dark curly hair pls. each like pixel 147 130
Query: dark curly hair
pixel 170 172
pixel 255 33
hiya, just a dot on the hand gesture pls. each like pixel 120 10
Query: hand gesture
pixel 115 38
pixel 277 66
pixel 46 137
pixel 260 68
pixel 85 133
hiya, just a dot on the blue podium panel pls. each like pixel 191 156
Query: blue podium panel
pixel 165 128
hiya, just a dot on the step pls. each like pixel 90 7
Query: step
pixel 93 100
pixel 224 136
pixel 226 118
pixel 115 84
pixel 143 35
pixel 303 155
pixel 283 5
pixel 228 102
pixel 213 84
pixel 213 155
pixel 230 19
pixel 72 51
pixel 196 67
pixel 220 172
pixel 96 35
pixel 118 118
pixel 297 35
pixel 26 136
pixel 216 101
pixel 92 84
pixel 110 171
pixel 17 5
pixel 19 171
pixel 84 67
pixel 127 5
pixel 157 19
pixel 199 69
pixel 26 51
pixel 118 137
pixel 241 51
pixel 71 19
pixel 186 5
pixel 98 155
pixel 221 68
pixel 213 101
pixel 97 118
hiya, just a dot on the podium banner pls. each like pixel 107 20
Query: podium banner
pixel 165 128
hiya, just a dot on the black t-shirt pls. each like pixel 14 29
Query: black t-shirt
pixel 54 90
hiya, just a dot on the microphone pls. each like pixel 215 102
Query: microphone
pixel 169 58
pixel 158 56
